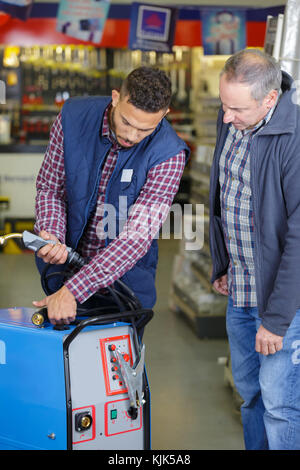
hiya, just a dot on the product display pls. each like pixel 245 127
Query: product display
pixel 39 79
pixel 192 291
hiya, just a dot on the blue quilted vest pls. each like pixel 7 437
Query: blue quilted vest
pixel 85 151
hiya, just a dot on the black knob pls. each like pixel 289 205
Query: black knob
pixel 133 412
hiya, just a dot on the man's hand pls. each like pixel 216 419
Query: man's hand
pixel 266 342
pixel 61 306
pixel 221 285
pixel 54 254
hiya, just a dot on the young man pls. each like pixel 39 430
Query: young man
pixel 255 243
pixel 105 153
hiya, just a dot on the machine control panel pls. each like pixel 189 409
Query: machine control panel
pixel 101 402
pixel 117 419
pixel 114 382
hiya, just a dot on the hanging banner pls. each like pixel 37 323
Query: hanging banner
pixel 19 3
pixel 18 8
pixel 223 30
pixel 152 27
pixel 82 19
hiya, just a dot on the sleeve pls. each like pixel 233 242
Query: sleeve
pixel 284 299
pixel 50 204
pixel 145 219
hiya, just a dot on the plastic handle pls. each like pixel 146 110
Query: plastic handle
pixel 34 242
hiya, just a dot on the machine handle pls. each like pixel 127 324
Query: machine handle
pixel 109 318
pixel 41 316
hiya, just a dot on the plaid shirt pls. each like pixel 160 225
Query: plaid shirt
pixel 237 212
pixel 106 264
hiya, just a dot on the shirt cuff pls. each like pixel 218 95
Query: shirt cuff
pixel 83 284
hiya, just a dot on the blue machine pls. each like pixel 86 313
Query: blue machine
pixel 81 386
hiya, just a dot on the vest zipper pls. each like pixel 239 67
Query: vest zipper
pixel 91 197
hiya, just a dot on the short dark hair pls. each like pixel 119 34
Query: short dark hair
pixel 148 89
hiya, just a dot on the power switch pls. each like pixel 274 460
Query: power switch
pixel 113 414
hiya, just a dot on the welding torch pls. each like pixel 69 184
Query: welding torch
pixel 34 242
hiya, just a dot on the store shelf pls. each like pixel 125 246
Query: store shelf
pixel 201 268
pixel 23 148
pixel 40 107
pixel 205 312
pixel 192 293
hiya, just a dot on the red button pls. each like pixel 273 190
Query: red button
pixel 112 347
pixel 126 357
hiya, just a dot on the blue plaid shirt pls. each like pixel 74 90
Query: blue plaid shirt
pixel 237 212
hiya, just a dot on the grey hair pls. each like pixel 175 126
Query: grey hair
pixel 254 67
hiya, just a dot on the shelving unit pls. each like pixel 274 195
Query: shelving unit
pixel 39 79
pixel 192 292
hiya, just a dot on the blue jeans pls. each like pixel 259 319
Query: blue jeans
pixel 269 385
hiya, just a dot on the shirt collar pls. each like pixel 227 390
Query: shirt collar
pixel 106 131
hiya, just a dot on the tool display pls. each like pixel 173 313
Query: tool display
pixel 81 386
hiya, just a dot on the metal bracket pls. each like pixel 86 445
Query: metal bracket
pixel 133 377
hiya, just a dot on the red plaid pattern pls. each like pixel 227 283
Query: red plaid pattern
pixel 106 264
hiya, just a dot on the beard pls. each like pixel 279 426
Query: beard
pixel 112 125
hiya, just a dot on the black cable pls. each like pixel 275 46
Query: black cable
pixel 45 278
pixel 122 300
pixel 129 292
pixel 83 312
pixel 119 298
pixel 116 298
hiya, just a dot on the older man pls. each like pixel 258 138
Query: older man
pixel 255 243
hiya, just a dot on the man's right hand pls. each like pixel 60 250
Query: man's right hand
pixel 50 253
pixel 221 285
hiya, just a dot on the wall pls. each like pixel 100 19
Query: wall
pixel 17 181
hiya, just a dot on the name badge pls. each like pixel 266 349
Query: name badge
pixel 126 175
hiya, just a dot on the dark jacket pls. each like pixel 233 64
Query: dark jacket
pixel 275 186
pixel 85 150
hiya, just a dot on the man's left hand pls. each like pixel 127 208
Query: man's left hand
pixel 61 306
pixel 267 342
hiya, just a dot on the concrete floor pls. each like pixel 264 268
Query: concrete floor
pixel 192 408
